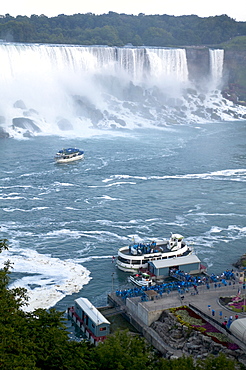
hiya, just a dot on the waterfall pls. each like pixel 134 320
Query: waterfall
pixel 24 59
pixel 171 63
pixel 69 90
pixel 216 58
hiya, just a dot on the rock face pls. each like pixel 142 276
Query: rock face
pixel 26 124
pixel 234 71
pixel 198 63
pixel 64 125
pixel 3 134
pixel 241 263
pixel 190 342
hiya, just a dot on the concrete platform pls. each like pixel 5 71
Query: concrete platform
pixel 206 303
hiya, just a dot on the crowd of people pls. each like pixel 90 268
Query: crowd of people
pixel 183 283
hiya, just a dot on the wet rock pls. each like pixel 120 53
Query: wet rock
pixel 202 97
pixel 191 343
pixel 19 104
pixel 26 124
pixel 117 120
pixel 30 113
pixel 88 110
pixel 173 357
pixel 28 134
pixel 241 263
pixel 3 134
pixel 2 120
pixel 64 125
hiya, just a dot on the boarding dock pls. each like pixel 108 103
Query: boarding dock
pixel 205 301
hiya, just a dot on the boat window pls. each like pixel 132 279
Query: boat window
pixel 164 258
pixel 124 260
pixel 137 262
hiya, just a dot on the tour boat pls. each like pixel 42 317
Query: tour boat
pixel 69 155
pixel 133 257
pixel 141 279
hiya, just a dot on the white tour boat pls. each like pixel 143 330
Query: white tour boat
pixel 141 279
pixel 69 155
pixel 132 258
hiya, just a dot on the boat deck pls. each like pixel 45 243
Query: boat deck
pixel 148 249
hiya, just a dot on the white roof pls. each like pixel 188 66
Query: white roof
pixel 238 328
pixel 176 261
pixel 91 311
pixel 177 236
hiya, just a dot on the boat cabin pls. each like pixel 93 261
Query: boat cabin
pixel 163 268
pixel 90 320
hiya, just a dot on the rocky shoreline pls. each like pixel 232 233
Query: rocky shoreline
pixel 241 263
pixel 191 342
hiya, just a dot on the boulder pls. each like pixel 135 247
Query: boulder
pixel 19 104
pixel 64 125
pixel 3 134
pixel 26 124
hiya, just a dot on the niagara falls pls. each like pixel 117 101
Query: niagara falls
pixel 68 90
pixel 163 152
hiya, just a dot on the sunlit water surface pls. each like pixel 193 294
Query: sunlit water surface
pixel 65 222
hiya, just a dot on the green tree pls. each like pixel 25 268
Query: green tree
pixel 36 340
pixel 39 341
pixel 218 363
pixel 183 363
pixel 123 351
pixel 154 36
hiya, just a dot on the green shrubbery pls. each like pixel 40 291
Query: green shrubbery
pixel 115 29
pixel 39 341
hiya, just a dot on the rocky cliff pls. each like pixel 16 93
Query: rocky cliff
pixel 234 71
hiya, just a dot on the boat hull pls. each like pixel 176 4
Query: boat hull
pixel 132 263
pixel 130 268
pixel 141 282
pixel 67 160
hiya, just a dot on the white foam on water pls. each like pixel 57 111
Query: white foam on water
pixel 121 183
pixel 24 210
pixel 216 229
pixel 90 258
pixel 105 198
pixel 72 208
pixel 11 197
pixel 113 177
pixel 64 232
pixel 64 184
pixel 228 174
pixel 121 225
pixel 51 278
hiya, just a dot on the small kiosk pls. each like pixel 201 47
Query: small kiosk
pixel 189 264
pixel 87 317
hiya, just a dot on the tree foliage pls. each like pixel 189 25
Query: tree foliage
pixel 115 29
pixel 39 341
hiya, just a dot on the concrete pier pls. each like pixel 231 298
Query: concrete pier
pixel 142 314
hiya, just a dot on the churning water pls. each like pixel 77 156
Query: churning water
pixel 155 163
pixel 65 222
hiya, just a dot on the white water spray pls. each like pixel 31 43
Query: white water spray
pixel 75 90
pixel 216 58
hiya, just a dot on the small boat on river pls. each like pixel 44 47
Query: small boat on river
pixel 142 279
pixel 69 155
pixel 136 256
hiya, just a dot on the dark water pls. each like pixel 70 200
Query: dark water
pixel 60 219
